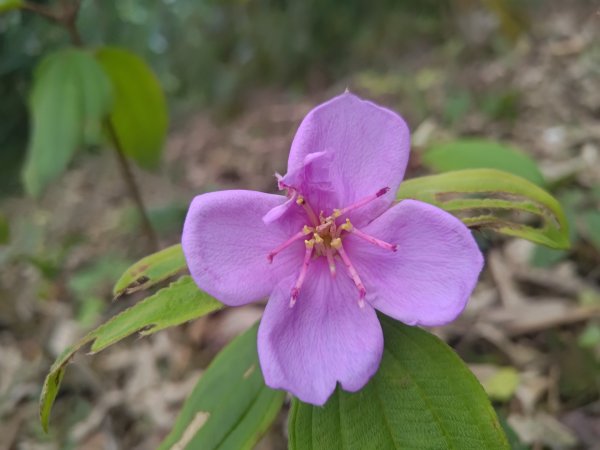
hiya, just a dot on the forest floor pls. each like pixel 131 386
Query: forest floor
pixel 531 331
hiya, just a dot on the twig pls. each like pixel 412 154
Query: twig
pixel 42 10
pixel 132 185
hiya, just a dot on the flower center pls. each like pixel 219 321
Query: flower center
pixel 324 236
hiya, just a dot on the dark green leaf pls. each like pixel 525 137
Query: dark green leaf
pixel 481 154
pixel 7 5
pixel 139 115
pixel 495 200
pixel 151 270
pixel 70 97
pixel 230 406
pixel 423 396
pixel 176 304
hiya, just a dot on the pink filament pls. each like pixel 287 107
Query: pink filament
pixel 362 292
pixel 363 201
pixel 299 235
pixel 301 277
pixel 309 211
pixel 330 261
pixel 374 240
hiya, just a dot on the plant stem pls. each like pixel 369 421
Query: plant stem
pixel 41 10
pixel 67 18
pixel 70 13
pixel 132 186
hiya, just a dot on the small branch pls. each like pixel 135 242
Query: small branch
pixel 70 13
pixel 43 11
pixel 66 16
pixel 132 186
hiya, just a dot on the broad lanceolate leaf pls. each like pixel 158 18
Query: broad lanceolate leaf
pixel 178 303
pixel 482 154
pixel 230 407
pixel 151 270
pixel 139 115
pixel 7 5
pixel 71 95
pixel 496 200
pixel 423 396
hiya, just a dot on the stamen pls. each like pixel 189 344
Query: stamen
pixel 319 243
pixel 360 203
pixel 362 292
pixel 367 237
pixel 309 211
pixel 299 235
pixel 307 255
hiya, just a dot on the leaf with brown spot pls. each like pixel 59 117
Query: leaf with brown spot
pixel 494 200
pixel 151 270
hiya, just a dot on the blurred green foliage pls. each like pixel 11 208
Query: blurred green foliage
pixel 212 52
pixel 471 153
pixel 70 96
pixel 138 119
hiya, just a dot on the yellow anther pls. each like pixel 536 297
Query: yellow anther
pixel 336 243
pixel 307 229
pixel 336 213
pixel 318 238
pixel 347 226
pixel 310 243
pixel 300 200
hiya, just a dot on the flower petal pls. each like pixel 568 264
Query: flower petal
pixel 323 339
pixel 226 244
pixel 429 279
pixel 368 147
pixel 311 178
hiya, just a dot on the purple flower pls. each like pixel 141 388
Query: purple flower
pixel 332 251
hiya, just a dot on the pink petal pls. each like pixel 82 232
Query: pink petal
pixel 226 244
pixel 324 339
pixel 368 148
pixel 429 279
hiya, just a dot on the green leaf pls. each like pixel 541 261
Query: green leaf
pixel 495 200
pixel 423 396
pixel 571 202
pixel 502 385
pixel 7 5
pixel 176 304
pixel 139 115
pixel 151 270
pixel 230 407
pixel 481 154
pixel 591 220
pixel 70 97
